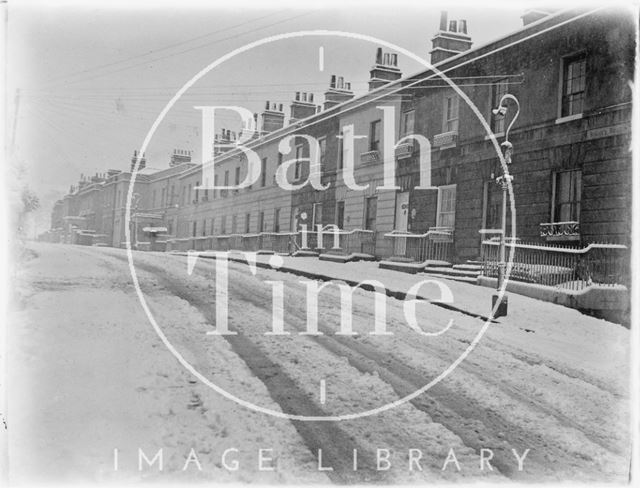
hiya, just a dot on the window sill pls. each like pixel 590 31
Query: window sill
pixel 568 118
pixel 497 136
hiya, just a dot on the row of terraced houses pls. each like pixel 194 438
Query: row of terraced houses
pixel 571 72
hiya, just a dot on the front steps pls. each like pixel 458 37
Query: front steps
pixel 467 272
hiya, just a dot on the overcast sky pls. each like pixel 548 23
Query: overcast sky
pixel 94 76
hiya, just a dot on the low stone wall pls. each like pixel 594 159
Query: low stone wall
pixel 611 302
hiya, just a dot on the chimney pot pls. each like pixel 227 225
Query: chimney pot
pixel 443 20
pixel 453 26
pixel 332 83
pixel 462 26
pixel 379 56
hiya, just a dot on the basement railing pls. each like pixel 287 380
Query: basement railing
pixel 434 245
pixel 563 267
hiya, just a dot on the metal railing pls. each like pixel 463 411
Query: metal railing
pixel 333 240
pixel 434 245
pixel 564 267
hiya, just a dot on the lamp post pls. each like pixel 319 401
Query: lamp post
pixel 504 180
pixel 136 200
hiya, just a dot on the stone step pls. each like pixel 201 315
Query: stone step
pixel 468 267
pixel 452 271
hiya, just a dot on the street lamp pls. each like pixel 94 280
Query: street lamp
pixel 504 180
pixel 135 201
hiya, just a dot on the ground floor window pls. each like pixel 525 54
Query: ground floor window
pixel 567 193
pixel 370 213
pixel 446 213
pixel 340 215
pixel 276 220
pixel 317 215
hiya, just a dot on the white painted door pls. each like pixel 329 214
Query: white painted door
pixel 402 222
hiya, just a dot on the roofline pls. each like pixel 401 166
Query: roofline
pixel 444 63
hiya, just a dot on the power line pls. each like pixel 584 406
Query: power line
pixel 183 51
pixel 165 48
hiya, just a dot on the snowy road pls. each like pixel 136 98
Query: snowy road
pixel 89 375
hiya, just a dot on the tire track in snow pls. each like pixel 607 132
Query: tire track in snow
pixel 337 446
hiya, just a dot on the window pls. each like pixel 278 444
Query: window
pixel 340 214
pixel 196 190
pixel 234 224
pixel 204 227
pixel 446 213
pixel 567 192
pixel 297 170
pixel 374 135
pixel 237 179
pixel 183 195
pixel 194 231
pixel 189 194
pixel 498 90
pixel 223 225
pixel 370 212
pixel 225 192
pixel 322 142
pixel 407 123
pixel 573 85
pixel 451 114
pixel 153 199
pixel 170 227
pixel 276 220
pixel 213 226
pixel 215 183
pixel 206 191
pixel 316 218
pixel 263 172
pixel 260 222
pixel 172 196
pixel 247 224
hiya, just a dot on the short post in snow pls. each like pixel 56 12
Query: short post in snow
pixel 504 180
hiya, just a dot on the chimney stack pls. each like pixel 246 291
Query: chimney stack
pixel 534 14
pixel 302 107
pixel 134 159
pixel 451 39
pixel 180 156
pixel 384 70
pixel 339 91
pixel 272 117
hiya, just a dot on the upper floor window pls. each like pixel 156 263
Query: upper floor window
pixel 498 90
pixel 237 179
pixel 197 190
pixel 451 114
pixel 374 135
pixel 297 169
pixel 263 172
pixel 322 142
pixel 407 123
pixel 573 85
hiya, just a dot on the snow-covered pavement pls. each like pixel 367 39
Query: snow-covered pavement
pixel 90 375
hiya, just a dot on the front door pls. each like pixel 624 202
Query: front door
pixel 402 222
